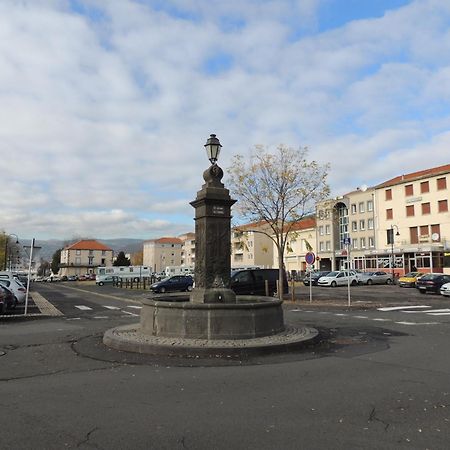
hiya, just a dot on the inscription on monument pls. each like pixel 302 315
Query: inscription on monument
pixel 218 210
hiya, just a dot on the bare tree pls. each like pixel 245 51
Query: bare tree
pixel 278 188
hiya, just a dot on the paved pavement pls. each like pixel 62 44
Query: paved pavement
pixel 378 379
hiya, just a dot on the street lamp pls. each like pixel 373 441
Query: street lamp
pixel 6 248
pixel 212 147
pixel 392 249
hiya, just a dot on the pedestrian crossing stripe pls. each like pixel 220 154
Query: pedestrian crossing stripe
pixel 399 308
pixel 83 307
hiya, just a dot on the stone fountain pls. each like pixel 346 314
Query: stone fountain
pixel 211 320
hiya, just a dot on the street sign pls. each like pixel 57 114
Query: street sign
pixel 347 241
pixel 310 258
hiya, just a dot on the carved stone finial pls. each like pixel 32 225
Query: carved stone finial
pixel 213 175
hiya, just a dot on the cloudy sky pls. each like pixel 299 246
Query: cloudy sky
pixel 105 105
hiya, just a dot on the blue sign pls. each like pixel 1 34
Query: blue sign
pixel 347 241
pixel 310 258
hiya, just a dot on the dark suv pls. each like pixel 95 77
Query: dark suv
pixel 172 284
pixel 253 281
pixel 431 282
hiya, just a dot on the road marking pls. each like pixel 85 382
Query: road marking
pixel 341 314
pixel 382 320
pixel 439 314
pixel 360 317
pixel 101 317
pixel 140 307
pixel 83 308
pixel 44 306
pixel 398 308
pixel 74 318
pixel 130 313
pixel 110 307
pixel 417 323
pixel 130 316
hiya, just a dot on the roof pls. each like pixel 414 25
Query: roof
pixel 252 225
pixel 166 240
pixel 304 224
pixel 88 244
pixel 440 170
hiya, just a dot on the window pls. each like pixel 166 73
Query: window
pixel 371 242
pixel 321 246
pixel 327 229
pixel 389 214
pixel 413 235
pixel 355 243
pixel 442 205
pixel 78 252
pixel 370 224
pixel 424 187
pixel 361 207
pixel 321 230
pixel 363 242
pixel 78 261
pixel 90 260
pixel 410 211
pixel 354 225
pixel 388 193
pixel 328 246
pixel 441 183
pixel 369 205
pixel 362 225
pixel 436 232
pixel 353 207
pixel 424 230
pixel 426 208
pixel 409 190
pixel 390 236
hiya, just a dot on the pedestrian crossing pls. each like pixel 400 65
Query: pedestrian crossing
pixel 420 315
pixel 99 316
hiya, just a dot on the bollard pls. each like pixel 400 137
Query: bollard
pixel 293 290
pixel 266 286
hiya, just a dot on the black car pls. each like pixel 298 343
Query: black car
pixel 172 284
pixel 432 282
pixel 254 281
pixel 7 299
pixel 314 277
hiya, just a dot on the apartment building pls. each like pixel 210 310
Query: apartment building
pixel 301 239
pixel 414 221
pixel 162 252
pixel 187 249
pixel 251 247
pixel 346 229
pixel 84 257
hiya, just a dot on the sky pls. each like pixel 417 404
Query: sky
pixel 105 105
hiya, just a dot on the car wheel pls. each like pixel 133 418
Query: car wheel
pixel 369 282
pixel 333 284
pixel 388 281
pixel 353 283
pixel 3 308
pixel 422 291
pixel 101 283
pixel 13 306
pixel 189 288
pixel 162 290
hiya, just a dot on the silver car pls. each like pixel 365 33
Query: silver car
pixel 375 278
pixel 338 278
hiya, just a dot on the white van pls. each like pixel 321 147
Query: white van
pixel 11 281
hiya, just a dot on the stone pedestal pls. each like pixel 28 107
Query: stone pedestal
pixel 212 241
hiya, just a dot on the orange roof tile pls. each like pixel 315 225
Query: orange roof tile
pixel 304 224
pixel 88 244
pixel 166 240
pixel 416 176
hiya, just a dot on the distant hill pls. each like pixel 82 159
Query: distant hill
pixel 118 245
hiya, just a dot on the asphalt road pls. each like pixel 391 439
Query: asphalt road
pixel 378 379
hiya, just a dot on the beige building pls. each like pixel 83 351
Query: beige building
pixel 161 253
pixel 414 221
pixel 346 230
pixel 301 240
pixel 250 247
pixel 83 257
pixel 188 249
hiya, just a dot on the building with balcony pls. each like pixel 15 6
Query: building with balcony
pixel 414 221
pixel 187 249
pixel 251 246
pixel 83 257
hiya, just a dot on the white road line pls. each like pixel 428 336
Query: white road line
pixel 360 317
pixel 140 307
pixel 341 314
pixel 83 308
pixel 439 314
pixel 417 323
pixel 130 316
pixel 101 317
pixel 74 318
pixel 130 313
pixel 110 307
pixel 398 308
pixel 429 311
pixel 382 320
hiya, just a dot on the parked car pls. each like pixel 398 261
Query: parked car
pixel 72 278
pixel 432 282
pixel 445 290
pixel 16 287
pixel 409 280
pixel 174 283
pixel 314 277
pixel 338 278
pixel 253 281
pixel 374 278
pixel 7 299
pixel 81 278
pixel 101 280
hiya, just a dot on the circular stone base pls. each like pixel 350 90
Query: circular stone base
pixel 129 338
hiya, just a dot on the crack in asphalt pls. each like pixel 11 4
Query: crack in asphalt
pixel 88 437
pixel 374 418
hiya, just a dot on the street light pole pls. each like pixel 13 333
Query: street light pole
pixel 392 250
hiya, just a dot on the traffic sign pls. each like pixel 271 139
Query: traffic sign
pixel 347 241
pixel 310 258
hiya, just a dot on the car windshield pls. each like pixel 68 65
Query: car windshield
pixel 333 274
pixel 411 274
pixel 5 282
pixel 429 277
